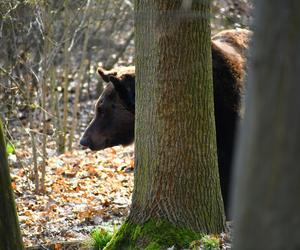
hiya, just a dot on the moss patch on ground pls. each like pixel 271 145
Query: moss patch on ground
pixel 153 235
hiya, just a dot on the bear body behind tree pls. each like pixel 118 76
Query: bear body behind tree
pixel 113 123
pixel 229 50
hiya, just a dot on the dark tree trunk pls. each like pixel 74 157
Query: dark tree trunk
pixel 10 236
pixel 267 200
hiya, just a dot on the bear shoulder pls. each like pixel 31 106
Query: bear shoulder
pixel 229 48
pixel 229 54
pixel 237 39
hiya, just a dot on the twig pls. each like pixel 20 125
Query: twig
pixel 13 79
pixel 88 3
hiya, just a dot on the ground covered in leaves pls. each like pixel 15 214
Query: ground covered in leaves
pixel 83 189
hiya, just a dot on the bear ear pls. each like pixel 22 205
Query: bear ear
pixel 115 80
pixel 119 86
pixel 105 74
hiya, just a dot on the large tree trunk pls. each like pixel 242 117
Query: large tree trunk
pixel 177 190
pixel 10 236
pixel 267 200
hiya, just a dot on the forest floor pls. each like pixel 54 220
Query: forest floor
pixel 83 190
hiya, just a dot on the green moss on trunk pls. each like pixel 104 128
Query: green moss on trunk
pixel 154 234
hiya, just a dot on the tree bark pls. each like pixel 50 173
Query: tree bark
pixel 176 189
pixel 46 51
pixel 266 203
pixel 10 235
pixel 67 60
pixel 81 74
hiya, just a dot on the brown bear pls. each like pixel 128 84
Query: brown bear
pixel 114 115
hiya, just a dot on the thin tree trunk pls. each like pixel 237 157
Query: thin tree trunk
pixel 47 35
pixel 10 235
pixel 80 77
pixel 53 92
pixel 62 140
pixel 176 189
pixel 267 203
pixel 80 80
pixel 34 152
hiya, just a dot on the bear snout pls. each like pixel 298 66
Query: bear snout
pixel 85 141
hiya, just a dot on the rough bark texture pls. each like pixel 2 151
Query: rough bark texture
pixel 176 177
pixel 267 203
pixel 10 235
